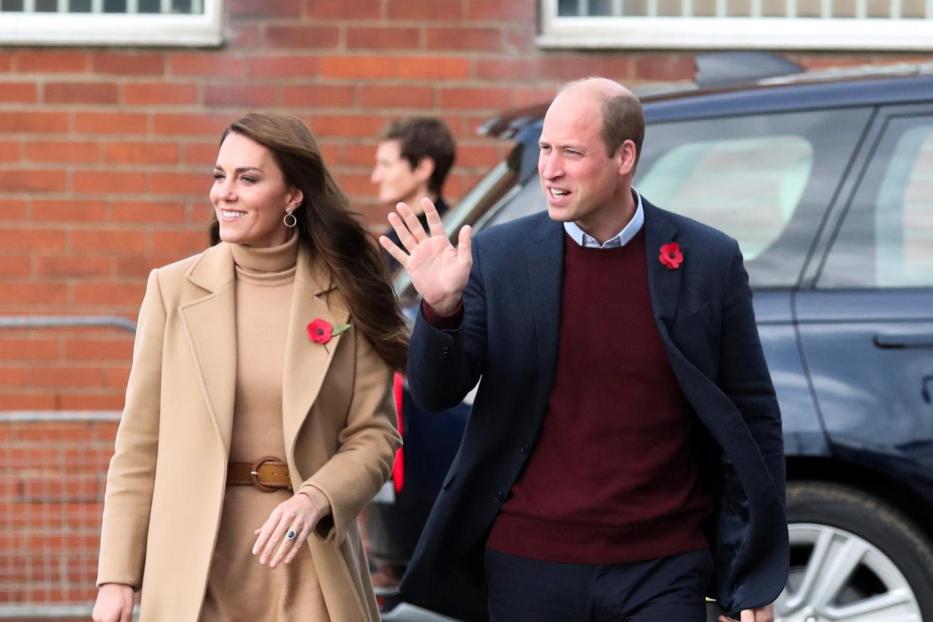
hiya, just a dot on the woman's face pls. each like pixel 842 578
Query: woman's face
pixel 249 195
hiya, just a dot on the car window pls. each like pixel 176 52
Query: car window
pixel 886 237
pixel 765 180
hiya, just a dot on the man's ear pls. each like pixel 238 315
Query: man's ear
pixel 424 170
pixel 628 156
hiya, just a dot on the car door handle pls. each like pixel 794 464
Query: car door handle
pixel 893 340
pixel 925 391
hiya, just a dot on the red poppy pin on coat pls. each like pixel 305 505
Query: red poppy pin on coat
pixel 321 331
pixel 671 257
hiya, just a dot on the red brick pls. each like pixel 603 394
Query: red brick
pixel 477 155
pixel 28 349
pixel 62 151
pixel 359 67
pixel 305 37
pixel 157 93
pixel 239 95
pixel 117 376
pixel 32 293
pixel 359 155
pixel 242 36
pixel 519 40
pixel 71 266
pixel 506 68
pixel 346 125
pixel 283 66
pixel 330 151
pixel 105 182
pixel 35 240
pixel 81 93
pixel 192 124
pixel 533 96
pixel 111 123
pixel 397 97
pixel 571 67
pixel 383 38
pixel 475 98
pixel 108 294
pixel 10 151
pixel 343 10
pixel 108 240
pixel 67 376
pixel 64 210
pixel 13 209
pixel 100 349
pixel 439 67
pixel 147 212
pixel 27 402
pixel 15 266
pixel 32 181
pixel 89 402
pixel 464 39
pixel 319 96
pixel 266 9
pixel 425 10
pixel 356 184
pixel 198 184
pixel 521 11
pixel 141 153
pixel 33 122
pixel 6 62
pixel 18 92
pixel 127 64
pixel 183 243
pixel 212 65
pixel 200 154
pixel 138 265
pixel 664 67
pixel 12 376
pixel 52 61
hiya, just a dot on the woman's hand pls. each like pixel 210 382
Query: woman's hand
pixel 114 603
pixel 288 527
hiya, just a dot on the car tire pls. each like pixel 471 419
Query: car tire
pixel 848 547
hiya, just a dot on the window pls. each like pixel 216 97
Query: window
pixel 730 24
pixel 111 22
pixel 886 238
pixel 765 180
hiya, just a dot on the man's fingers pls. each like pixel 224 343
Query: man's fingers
pixel 412 222
pixel 401 230
pixel 465 243
pixel 435 225
pixel 393 249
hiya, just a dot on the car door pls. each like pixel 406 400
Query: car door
pixel 866 327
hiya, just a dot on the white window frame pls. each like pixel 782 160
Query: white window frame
pixel 755 33
pixel 116 29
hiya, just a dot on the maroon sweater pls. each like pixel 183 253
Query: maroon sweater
pixel 614 474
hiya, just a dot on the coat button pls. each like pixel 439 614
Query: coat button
pixel 499 495
pixel 525 448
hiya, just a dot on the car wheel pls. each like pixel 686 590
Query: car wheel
pixel 854 558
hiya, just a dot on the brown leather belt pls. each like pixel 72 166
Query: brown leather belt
pixel 266 474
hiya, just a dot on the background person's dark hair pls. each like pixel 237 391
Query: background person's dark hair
pixel 421 137
pixel 331 232
pixel 623 119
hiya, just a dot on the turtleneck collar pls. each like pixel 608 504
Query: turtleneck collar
pixel 271 260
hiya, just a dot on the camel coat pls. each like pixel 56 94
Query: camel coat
pixel 166 480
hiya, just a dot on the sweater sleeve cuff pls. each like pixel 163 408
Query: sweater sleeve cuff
pixel 442 322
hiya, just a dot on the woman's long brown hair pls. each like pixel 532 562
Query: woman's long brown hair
pixel 332 233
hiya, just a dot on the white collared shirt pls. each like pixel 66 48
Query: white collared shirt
pixel 622 238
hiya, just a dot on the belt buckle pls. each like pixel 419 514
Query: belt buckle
pixel 254 474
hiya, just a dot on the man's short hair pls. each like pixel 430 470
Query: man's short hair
pixel 623 119
pixel 425 137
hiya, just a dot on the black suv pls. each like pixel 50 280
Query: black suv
pixel 826 181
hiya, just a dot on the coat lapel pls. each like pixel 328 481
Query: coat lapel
pixel 210 323
pixel 545 257
pixel 663 283
pixel 306 362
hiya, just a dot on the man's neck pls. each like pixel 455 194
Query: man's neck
pixel 607 226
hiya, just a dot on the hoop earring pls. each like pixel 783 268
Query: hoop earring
pixel 290 220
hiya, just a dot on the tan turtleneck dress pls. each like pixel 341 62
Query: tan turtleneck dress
pixel 239 588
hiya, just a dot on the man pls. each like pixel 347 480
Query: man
pixel 624 455
pixel 412 161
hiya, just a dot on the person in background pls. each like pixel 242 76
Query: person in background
pixel 413 160
pixel 259 418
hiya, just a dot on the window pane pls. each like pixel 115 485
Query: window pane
pixel 149 6
pixel 568 8
pixel 47 6
pixel 181 6
pixel 764 180
pixel 886 239
pixel 79 6
pixel 114 6
pixel 11 5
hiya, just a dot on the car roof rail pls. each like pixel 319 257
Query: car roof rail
pixel 719 69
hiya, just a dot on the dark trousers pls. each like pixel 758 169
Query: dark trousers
pixel 658 590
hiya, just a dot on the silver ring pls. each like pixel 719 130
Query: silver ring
pixel 291 534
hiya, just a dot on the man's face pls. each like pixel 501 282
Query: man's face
pixel 581 182
pixel 397 180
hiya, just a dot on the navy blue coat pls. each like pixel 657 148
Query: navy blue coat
pixel 508 338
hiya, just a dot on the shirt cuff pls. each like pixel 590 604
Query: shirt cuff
pixel 442 322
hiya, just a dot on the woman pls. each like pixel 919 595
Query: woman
pixel 258 419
